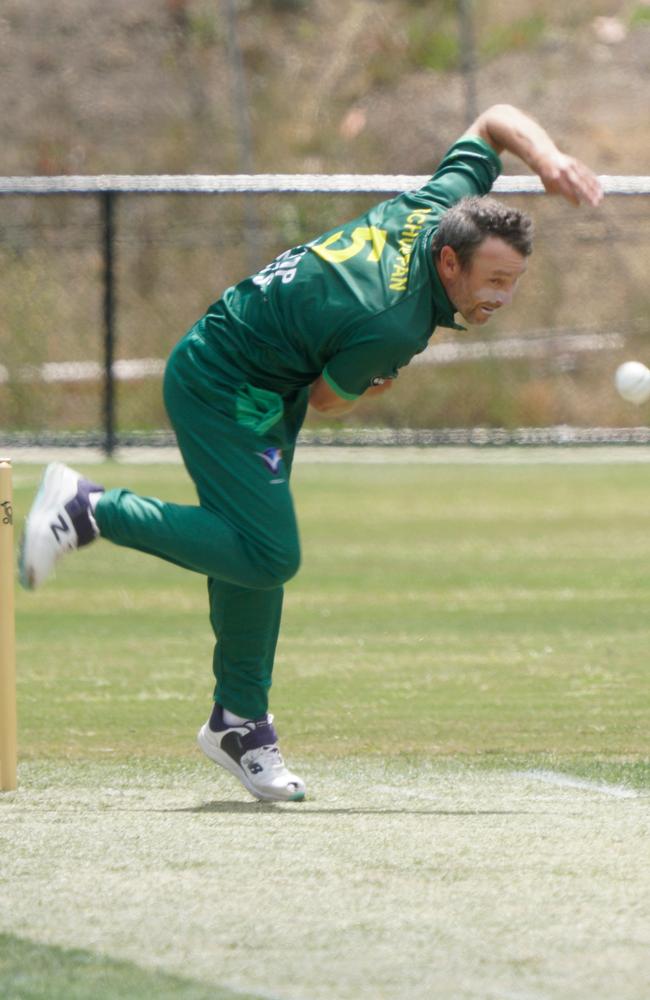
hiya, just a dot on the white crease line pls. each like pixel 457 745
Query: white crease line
pixel 568 781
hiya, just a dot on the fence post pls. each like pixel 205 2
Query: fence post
pixel 468 58
pixel 108 220
pixel 241 105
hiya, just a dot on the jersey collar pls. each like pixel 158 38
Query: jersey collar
pixel 444 307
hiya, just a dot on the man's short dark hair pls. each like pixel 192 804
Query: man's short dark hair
pixel 470 221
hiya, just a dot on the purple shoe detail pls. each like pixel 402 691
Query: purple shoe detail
pixel 261 732
pixel 78 509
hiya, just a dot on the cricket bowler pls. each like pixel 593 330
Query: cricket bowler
pixel 325 324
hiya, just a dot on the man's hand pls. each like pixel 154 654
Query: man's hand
pixel 505 127
pixel 566 176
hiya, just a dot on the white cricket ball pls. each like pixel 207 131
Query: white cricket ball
pixel 632 381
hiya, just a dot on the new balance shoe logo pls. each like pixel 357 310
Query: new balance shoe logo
pixel 59 527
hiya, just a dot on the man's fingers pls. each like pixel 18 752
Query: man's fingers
pixel 595 190
pixel 586 184
pixel 576 182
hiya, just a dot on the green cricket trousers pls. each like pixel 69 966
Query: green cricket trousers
pixel 237 443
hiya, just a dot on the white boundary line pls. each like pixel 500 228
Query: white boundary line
pixel 459 455
pixel 570 781
pixel 535 344
pixel 362 455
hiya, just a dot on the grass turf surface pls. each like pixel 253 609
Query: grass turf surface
pixel 471 610
pixel 492 616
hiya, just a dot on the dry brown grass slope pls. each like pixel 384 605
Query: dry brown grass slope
pixel 90 86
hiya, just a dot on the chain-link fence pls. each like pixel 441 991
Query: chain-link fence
pixel 98 287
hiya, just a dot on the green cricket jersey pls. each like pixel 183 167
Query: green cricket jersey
pixel 355 304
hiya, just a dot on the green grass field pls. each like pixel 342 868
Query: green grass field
pixel 454 630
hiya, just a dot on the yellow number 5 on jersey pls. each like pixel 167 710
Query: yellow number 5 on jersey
pixel 360 236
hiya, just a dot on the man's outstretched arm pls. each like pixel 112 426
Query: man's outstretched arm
pixel 505 127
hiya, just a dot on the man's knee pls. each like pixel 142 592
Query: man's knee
pixel 281 564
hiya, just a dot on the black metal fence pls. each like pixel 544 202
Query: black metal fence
pixel 241 237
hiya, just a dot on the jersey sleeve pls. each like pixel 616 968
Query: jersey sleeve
pixel 469 167
pixel 368 354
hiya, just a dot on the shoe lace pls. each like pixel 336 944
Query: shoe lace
pixel 268 757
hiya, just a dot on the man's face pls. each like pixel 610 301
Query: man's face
pixel 489 281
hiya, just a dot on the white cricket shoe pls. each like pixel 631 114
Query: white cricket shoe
pixel 60 520
pixel 250 751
